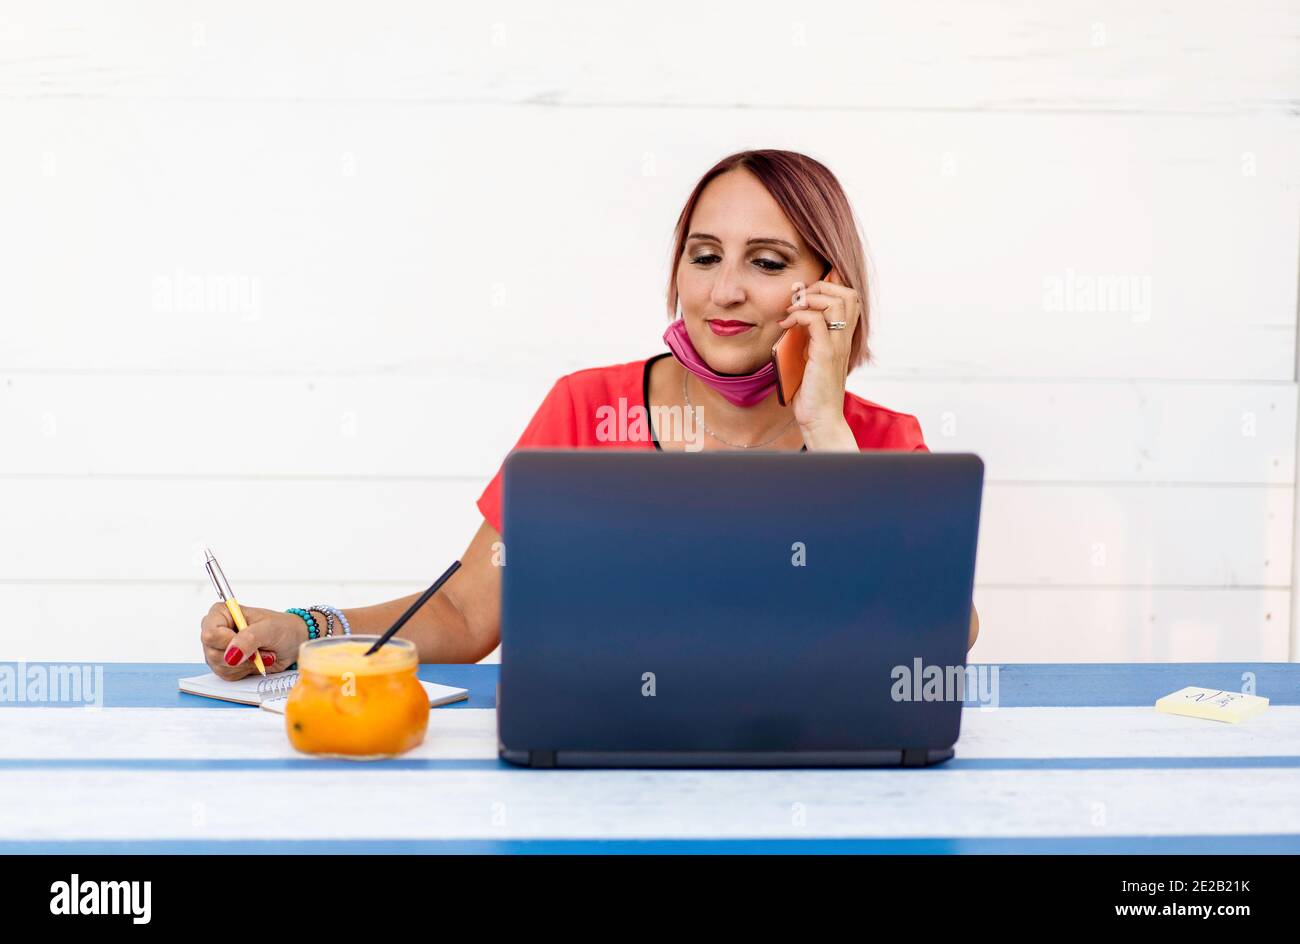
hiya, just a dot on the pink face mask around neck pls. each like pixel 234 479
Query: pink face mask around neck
pixel 740 389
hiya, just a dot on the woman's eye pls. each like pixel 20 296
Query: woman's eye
pixel 767 265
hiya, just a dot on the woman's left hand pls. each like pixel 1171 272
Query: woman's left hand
pixel 819 403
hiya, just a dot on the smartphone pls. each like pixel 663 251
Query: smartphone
pixel 790 355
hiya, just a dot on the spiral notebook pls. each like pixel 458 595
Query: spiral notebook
pixel 272 692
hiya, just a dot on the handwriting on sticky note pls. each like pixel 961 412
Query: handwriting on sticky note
pixel 1212 704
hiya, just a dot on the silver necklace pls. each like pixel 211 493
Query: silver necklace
pixel 686 395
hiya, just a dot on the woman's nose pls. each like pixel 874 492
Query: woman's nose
pixel 727 289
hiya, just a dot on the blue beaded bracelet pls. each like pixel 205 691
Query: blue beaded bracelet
pixel 329 620
pixel 313 630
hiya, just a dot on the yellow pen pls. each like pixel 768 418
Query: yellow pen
pixel 228 597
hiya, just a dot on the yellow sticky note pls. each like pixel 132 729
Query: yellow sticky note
pixel 1212 703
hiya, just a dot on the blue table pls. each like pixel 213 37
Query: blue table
pixel 1073 758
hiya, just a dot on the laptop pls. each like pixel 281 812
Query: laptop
pixel 716 609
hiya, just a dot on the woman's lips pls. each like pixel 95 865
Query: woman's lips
pixel 728 328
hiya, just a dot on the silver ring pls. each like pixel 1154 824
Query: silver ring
pixel 837 325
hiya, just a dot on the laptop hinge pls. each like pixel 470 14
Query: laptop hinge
pixel 915 757
pixel 543 759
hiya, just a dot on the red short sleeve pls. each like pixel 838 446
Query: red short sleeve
pixel 553 425
pixel 911 433
pixel 901 432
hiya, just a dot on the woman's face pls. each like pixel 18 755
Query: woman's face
pixel 736 275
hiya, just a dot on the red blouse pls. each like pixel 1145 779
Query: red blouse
pixel 606 407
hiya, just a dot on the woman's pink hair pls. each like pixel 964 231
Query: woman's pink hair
pixel 814 202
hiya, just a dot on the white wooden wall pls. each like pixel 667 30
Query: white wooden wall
pixel 366 238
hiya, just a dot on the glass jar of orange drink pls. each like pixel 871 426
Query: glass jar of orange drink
pixel 348 704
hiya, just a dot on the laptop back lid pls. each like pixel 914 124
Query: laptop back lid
pixel 725 602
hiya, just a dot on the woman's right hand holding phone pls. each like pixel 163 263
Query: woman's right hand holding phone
pixel 229 654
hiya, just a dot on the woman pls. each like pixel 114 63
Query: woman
pixel 753 253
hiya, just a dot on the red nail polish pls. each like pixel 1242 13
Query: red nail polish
pixel 233 655
pixel 268 658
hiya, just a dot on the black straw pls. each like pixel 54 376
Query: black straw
pixel 424 598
